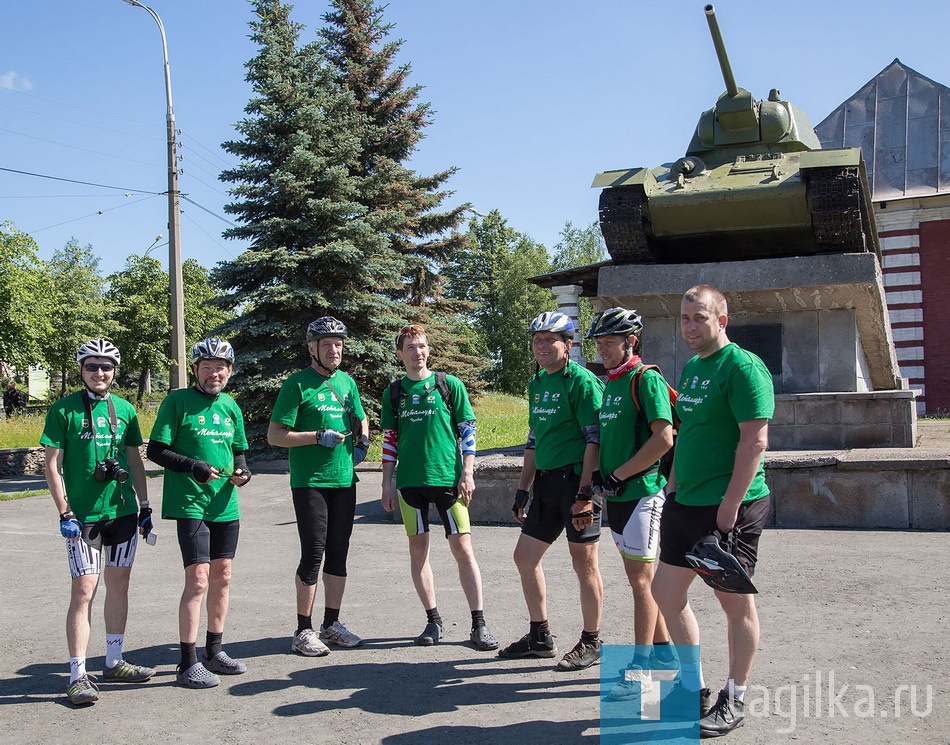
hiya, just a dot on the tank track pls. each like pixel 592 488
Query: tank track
pixel 621 222
pixel 838 210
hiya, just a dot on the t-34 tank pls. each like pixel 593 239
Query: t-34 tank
pixel 755 183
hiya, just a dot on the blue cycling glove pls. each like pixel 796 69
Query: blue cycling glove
pixel 69 526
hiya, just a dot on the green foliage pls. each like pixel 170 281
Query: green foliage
pixel 491 274
pixel 580 247
pixel 76 308
pixel 23 299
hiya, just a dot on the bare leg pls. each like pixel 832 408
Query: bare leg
pixel 219 594
pixel 117 598
pixel 81 594
pixel 528 554
pixel 469 574
pixel 189 609
pixel 585 558
pixel 421 570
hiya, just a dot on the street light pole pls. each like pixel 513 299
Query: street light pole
pixel 176 306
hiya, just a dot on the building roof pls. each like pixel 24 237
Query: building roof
pixel 901 121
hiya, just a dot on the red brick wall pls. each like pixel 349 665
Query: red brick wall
pixel 935 288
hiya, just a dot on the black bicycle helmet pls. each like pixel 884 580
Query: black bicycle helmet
pixel 717 565
pixel 615 322
pixel 325 326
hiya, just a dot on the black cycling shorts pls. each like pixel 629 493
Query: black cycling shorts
pixel 324 525
pixel 202 541
pixel 681 526
pixel 549 512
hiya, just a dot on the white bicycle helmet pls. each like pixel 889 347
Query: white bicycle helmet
pixel 552 320
pixel 98 348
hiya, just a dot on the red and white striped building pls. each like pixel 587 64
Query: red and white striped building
pixel 901 121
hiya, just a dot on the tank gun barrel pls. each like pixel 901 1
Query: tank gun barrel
pixel 731 88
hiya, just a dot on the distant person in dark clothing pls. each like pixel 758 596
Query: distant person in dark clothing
pixel 13 399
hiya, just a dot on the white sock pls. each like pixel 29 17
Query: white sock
pixel 692 671
pixel 736 692
pixel 114 649
pixel 77 668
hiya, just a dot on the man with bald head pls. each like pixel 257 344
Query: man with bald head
pixel 718 483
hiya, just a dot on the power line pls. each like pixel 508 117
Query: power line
pixel 84 183
pixel 81 124
pixel 81 149
pixel 94 214
pixel 81 108
pixel 213 214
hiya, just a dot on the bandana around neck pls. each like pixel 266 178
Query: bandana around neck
pixel 619 372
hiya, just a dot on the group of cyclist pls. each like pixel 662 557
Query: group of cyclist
pixel 591 447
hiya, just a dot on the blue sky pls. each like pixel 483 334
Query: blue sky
pixel 532 99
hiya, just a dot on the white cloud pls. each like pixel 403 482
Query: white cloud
pixel 12 81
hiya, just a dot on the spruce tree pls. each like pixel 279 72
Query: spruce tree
pixel 315 247
pixel 355 41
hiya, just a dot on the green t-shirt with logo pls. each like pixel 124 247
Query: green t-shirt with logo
pixel 428 450
pixel 206 429
pixel 306 404
pixel 85 443
pixel 715 394
pixel 558 406
pixel 619 425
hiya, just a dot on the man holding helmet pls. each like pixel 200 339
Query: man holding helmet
pixel 320 418
pixel 631 445
pixel 198 438
pixel 92 440
pixel 718 484
pixel 559 460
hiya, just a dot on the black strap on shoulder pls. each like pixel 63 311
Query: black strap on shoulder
pixel 395 391
pixel 113 424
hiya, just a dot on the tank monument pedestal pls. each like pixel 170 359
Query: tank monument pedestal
pixel 818 322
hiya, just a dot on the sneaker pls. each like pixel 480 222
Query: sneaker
pixel 483 639
pixel 430 635
pixel 82 691
pixel 308 644
pixel 222 664
pixel 634 681
pixel 725 715
pixel 526 646
pixel 339 635
pixel 678 691
pixel 197 676
pixel 126 672
pixel 581 657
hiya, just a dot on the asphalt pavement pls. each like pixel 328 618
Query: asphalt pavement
pixel 868 609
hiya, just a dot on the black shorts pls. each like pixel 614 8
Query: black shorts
pixel 110 532
pixel 550 509
pixel 203 541
pixel 681 526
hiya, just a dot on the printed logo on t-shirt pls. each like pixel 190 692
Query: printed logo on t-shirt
pixel 85 423
pixel 537 398
pixel 215 419
pixel 546 394
pixel 430 399
pixel 555 397
pixel 100 421
pixel 695 381
pixel 705 384
pixel 415 398
pixel 321 397
pixel 402 402
pixel 201 419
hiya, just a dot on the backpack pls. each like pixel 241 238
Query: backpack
pixel 395 391
pixel 666 462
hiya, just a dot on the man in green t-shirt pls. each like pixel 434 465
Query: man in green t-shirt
pixel 559 460
pixel 319 417
pixel 198 438
pixel 434 469
pixel 92 440
pixel 718 483
pixel 631 445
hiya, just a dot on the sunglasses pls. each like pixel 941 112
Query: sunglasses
pixel 93 367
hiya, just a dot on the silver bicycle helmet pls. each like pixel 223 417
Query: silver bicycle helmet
pixel 552 320
pixel 212 349
pixel 616 322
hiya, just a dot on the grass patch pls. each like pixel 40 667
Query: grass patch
pixel 22 494
pixel 502 422
pixel 25 431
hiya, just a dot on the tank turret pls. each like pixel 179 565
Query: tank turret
pixel 754 183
